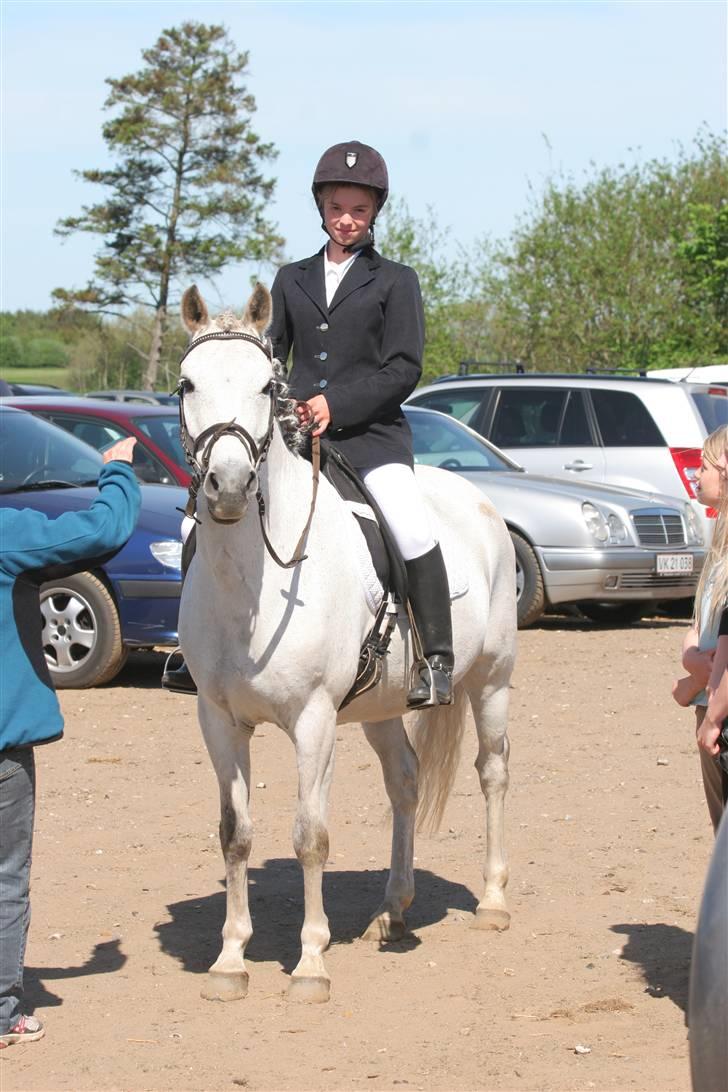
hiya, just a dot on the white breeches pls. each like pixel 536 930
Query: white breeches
pixel 396 491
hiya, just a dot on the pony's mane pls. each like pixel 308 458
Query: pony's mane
pixel 294 434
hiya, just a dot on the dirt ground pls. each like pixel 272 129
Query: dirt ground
pixel 608 839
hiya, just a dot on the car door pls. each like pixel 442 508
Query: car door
pixel 547 429
pixel 466 404
pixel 635 450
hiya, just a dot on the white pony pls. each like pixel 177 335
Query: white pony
pixel 266 643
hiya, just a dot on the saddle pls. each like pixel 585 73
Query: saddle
pixel 387 560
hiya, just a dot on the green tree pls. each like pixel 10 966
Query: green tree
pixel 704 252
pixel 187 194
pixel 605 273
pixel 456 318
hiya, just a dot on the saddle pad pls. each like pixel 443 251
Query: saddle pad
pixel 456 574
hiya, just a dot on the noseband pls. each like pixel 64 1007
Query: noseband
pixel 257 451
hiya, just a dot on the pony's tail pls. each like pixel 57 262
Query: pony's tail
pixel 436 735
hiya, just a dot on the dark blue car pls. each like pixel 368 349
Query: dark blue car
pixel 91 620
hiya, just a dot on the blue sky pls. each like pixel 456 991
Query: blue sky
pixel 470 103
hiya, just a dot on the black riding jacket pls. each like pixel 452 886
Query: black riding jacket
pixel 363 353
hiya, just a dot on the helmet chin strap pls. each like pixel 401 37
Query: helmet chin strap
pixel 367 241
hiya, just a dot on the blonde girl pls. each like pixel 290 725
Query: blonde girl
pixel 711 599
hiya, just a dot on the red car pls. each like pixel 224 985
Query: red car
pixel 158 455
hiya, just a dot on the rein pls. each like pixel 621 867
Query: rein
pixel 257 452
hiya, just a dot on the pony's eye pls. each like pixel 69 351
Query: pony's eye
pixel 186 386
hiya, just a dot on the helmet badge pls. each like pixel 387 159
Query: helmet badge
pixel 351 158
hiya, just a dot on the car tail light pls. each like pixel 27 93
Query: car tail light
pixel 687 462
pixel 718 390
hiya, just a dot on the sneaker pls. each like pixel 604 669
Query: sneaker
pixel 26 1030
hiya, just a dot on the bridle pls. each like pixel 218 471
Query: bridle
pixel 198 450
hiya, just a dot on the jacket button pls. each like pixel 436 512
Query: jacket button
pixel 323 356
pixel 323 383
pixel 324 326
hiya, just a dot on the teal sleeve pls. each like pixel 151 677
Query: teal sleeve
pixel 30 540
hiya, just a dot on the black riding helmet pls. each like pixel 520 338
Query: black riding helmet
pixel 355 163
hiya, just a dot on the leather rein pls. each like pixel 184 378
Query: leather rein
pixel 198 450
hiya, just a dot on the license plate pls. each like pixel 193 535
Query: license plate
pixel 667 564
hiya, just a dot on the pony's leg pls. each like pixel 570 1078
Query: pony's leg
pixel 314 737
pixel 489 700
pixel 228 744
pixel 399 766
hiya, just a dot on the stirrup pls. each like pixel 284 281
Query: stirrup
pixel 178 680
pixel 428 668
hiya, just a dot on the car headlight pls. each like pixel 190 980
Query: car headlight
pixel 617 530
pixel 595 521
pixel 695 534
pixel 167 553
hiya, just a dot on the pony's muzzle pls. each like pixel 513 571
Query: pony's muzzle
pixel 227 491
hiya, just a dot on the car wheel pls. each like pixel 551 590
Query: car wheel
pixel 615 614
pixel 81 632
pixel 530 597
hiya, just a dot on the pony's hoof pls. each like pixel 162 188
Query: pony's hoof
pixel 311 991
pixel 384 928
pixel 221 986
pixel 498 920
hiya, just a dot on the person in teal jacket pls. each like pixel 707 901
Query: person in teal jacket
pixel 33 549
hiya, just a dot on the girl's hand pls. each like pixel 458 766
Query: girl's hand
pixel 707 735
pixel 316 410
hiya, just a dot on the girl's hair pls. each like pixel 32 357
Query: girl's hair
pixel 714 577
pixel 328 188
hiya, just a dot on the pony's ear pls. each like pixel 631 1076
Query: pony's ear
pixel 194 312
pixel 259 309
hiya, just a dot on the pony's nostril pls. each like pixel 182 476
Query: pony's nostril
pixel 214 482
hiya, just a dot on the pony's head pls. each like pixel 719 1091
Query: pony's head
pixel 229 387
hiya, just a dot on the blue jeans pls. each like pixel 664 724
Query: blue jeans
pixel 17 807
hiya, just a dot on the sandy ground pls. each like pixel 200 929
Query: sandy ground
pixel 608 839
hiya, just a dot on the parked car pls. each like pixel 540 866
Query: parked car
pixel 92 619
pixel 150 398
pixel 612 551
pixel 638 432
pixel 37 389
pixel 158 456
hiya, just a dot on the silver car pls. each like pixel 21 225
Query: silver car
pixel 615 552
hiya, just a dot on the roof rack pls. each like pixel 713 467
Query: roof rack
pixel 516 367
pixel 490 366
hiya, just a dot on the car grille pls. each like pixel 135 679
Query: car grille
pixel 689 581
pixel 659 527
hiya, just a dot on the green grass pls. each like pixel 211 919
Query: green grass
pixel 59 377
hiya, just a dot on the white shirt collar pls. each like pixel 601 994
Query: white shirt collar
pixel 334 273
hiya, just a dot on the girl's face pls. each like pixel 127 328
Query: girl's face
pixel 709 481
pixel 348 212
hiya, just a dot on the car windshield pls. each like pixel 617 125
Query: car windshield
pixel 713 408
pixel 441 441
pixel 164 432
pixel 34 452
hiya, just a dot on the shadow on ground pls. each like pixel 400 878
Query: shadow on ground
pixel 662 952
pixel 107 958
pixel 142 670
pixel 276 905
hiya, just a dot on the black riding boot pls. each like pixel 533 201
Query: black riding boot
pixel 179 679
pixel 429 595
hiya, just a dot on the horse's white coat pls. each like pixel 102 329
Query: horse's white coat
pixel 267 644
